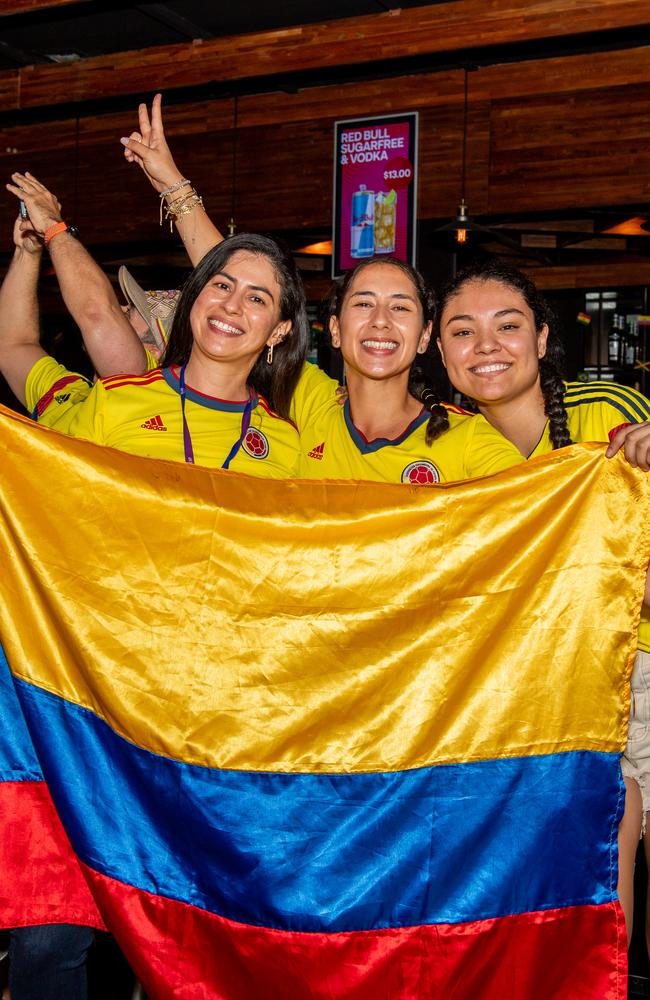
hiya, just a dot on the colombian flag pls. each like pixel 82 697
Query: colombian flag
pixel 332 740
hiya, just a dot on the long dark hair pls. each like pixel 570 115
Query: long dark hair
pixel 551 366
pixel 419 380
pixel 278 380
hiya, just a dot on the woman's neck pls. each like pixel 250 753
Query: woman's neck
pixel 215 378
pixel 521 421
pixel 381 409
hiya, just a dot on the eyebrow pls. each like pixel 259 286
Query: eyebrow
pixel 394 295
pixel 254 288
pixel 498 315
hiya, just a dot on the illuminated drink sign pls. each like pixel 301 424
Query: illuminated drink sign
pixel 375 189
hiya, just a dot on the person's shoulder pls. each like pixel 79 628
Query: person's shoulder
pixel 315 389
pixel 456 415
pixel 272 417
pixel 631 404
pixel 49 382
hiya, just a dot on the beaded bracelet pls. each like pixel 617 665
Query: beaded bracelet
pixel 183 182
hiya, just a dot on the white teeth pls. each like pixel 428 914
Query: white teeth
pixel 380 345
pixel 224 326
pixel 490 368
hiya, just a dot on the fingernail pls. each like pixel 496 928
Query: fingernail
pixel 125 140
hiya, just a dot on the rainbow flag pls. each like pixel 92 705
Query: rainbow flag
pixel 332 740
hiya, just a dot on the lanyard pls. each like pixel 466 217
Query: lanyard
pixel 187 438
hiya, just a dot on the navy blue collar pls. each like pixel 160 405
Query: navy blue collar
pixel 367 447
pixel 211 402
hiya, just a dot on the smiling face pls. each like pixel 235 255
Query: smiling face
pixel 380 325
pixel 489 343
pixel 237 313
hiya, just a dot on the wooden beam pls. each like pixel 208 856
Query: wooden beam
pixel 27 6
pixel 565 75
pixel 395 34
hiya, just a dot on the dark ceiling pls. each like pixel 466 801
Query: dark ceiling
pixel 79 30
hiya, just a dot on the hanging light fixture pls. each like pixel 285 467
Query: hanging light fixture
pixel 458 232
pixel 232 225
pixel 462 216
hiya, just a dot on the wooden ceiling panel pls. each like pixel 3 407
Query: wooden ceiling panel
pixel 352 41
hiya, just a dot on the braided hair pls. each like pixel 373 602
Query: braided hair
pixel 420 384
pixel 552 364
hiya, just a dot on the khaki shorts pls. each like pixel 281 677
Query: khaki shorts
pixel 636 759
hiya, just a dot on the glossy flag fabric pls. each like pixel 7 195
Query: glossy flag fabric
pixel 332 740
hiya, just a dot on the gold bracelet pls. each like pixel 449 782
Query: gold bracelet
pixel 183 206
pixel 168 205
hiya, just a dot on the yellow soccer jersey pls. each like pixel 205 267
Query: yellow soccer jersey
pixel 53 406
pixel 594 409
pixel 142 414
pixel 333 448
pixel 52 393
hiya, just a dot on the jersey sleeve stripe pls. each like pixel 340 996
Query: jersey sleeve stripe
pixel 117 381
pixel 588 393
pixel 47 398
pixel 632 412
pixel 458 409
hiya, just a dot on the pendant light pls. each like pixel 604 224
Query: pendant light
pixel 232 225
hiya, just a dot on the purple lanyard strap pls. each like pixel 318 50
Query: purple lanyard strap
pixel 187 438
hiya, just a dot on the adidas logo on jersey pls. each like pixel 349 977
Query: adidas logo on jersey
pixel 154 424
pixel 63 397
pixel 317 452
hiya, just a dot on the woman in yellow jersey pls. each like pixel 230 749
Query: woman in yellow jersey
pixel 239 335
pixel 498 342
pixel 380 317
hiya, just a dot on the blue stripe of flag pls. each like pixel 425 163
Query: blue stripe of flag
pixel 333 852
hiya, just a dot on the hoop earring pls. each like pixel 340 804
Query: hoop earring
pixel 269 355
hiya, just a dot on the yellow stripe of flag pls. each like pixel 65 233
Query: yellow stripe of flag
pixel 246 623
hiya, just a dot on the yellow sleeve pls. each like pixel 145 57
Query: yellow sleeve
pixel 52 393
pixel 314 390
pixel 88 418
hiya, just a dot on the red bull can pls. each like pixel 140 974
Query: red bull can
pixel 362 234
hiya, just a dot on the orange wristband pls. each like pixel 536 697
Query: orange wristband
pixel 54 230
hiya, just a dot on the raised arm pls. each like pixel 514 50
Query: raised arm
pixel 110 339
pixel 19 318
pixel 148 148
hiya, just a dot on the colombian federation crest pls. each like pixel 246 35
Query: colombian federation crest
pixel 421 474
pixel 255 444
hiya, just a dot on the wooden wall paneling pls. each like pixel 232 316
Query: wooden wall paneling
pixel 590 71
pixel 611 275
pixel 186 119
pixel 561 151
pixel 351 100
pixel 350 41
pixel 545 151
pixel 9 89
